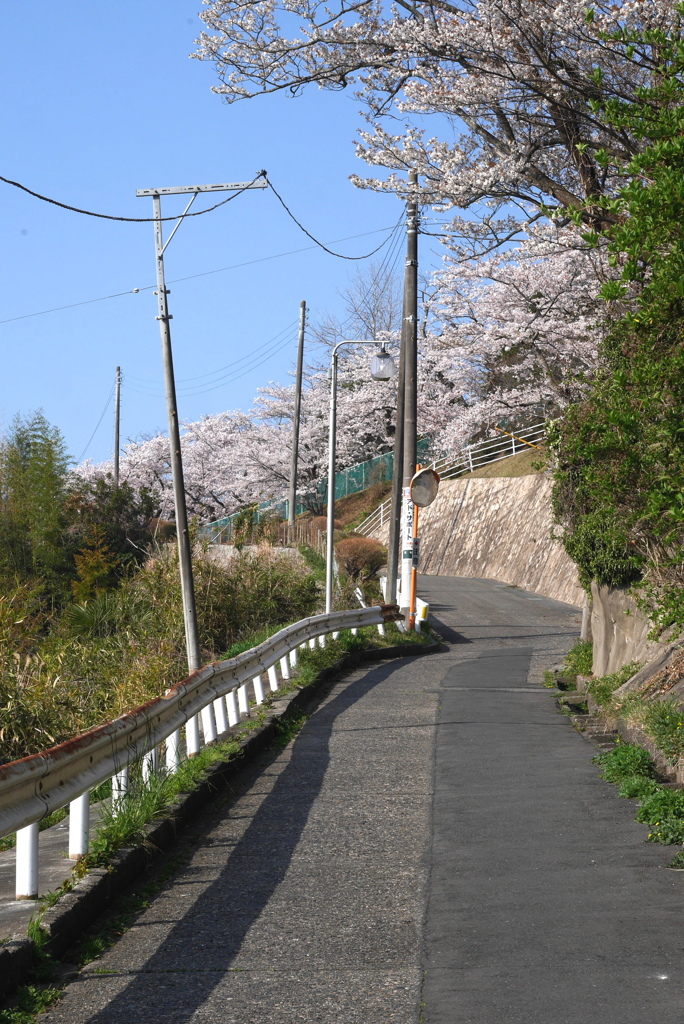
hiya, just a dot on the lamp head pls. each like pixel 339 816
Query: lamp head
pixel 382 365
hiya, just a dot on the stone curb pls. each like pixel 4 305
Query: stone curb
pixel 64 923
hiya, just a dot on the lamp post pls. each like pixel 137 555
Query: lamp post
pixel 382 368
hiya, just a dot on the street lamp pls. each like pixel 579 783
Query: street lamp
pixel 382 367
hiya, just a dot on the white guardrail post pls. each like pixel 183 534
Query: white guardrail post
pixel 37 785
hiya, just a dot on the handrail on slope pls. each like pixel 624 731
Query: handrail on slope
pixel 39 784
pixel 472 457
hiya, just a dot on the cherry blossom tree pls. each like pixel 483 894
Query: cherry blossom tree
pixel 515 86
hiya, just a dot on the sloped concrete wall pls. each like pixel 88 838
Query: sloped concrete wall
pixel 499 528
pixel 620 629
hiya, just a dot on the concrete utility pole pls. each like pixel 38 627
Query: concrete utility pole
pixel 292 502
pixel 410 358
pixel 397 478
pixel 184 546
pixel 117 425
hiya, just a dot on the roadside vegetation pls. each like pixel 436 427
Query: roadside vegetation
pixel 90 611
pixel 619 453
pixel 660 806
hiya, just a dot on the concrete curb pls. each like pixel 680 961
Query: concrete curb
pixel 64 923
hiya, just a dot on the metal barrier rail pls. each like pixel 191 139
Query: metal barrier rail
pixel 472 457
pixel 35 786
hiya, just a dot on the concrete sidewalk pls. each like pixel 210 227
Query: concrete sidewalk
pixel 435 845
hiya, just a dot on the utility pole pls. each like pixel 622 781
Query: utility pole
pixel 397 478
pixel 117 425
pixel 410 359
pixel 184 546
pixel 292 503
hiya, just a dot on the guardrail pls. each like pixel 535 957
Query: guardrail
pixel 35 786
pixel 472 457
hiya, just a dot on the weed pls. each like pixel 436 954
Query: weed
pixel 663 804
pixel 603 688
pixel 678 860
pixel 637 787
pixel 625 761
pixel 287 728
pixel 664 721
pixel 29 1001
pixel 579 658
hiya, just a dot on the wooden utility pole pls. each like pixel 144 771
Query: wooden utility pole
pixel 292 502
pixel 117 425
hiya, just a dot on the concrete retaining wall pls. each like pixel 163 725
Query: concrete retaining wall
pixel 498 528
pixel 619 630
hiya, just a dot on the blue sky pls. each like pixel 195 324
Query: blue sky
pixel 102 99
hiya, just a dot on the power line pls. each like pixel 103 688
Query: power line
pixel 220 369
pixel 201 389
pixel 130 220
pixel 308 234
pixel 97 427
pixel 189 277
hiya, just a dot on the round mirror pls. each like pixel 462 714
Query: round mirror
pixel 424 487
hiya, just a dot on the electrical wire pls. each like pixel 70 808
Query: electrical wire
pixel 129 220
pixel 109 398
pixel 220 369
pixel 189 277
pixel 201 389
pixel 308 234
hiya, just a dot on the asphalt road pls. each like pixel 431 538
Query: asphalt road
pixel 435 845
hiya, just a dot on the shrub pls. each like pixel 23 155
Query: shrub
pixel 320 523
pixel 360 557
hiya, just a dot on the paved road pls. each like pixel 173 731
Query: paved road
pixel 435 845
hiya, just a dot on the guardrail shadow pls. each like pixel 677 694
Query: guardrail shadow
pixel 203 944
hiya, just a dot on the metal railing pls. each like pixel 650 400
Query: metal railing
pixel 35 786
pixel 471 458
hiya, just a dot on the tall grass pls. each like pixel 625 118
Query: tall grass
pixel 95 661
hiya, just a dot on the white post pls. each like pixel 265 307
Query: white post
pixel 231 705
pixel 79 815
pixel 208 724
pixel 293 658
pixel 258 689
pixel 150 764
pixel 354 630
pixel 321 640
pixel 336 634
pixel 243 703
pixel 120 787
pixel 273 678
pixel 220 715
pixel 192 736
pixel 470 460
pixel 284 668
pixel 27 862
pixel 312 643
pixel 173 751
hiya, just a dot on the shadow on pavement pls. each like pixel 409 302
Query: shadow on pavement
pixel 204 943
